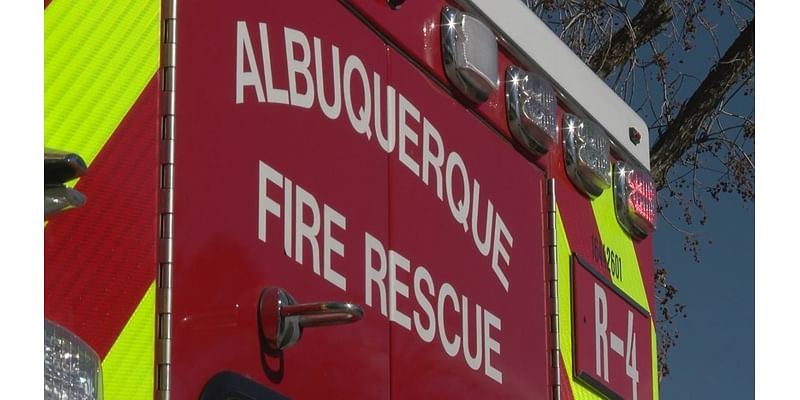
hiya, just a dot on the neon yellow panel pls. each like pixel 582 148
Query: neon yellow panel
pixel 564 297
pixel 579 390
pixel 128 366
pixel 612 234
pixel 99 56
pixel 654 344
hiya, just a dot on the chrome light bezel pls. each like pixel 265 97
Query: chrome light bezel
pixel 587 155
pixel 469 54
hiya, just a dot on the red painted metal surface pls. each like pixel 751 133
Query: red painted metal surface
pixel 644 253
pixel 611 337
pixel 499 318
pixel 224 152
pixel 100 259
pixel 240 140
pixel 415 29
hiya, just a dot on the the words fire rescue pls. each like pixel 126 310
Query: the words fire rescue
pixel 381 115
pixel 388 274
pixel 439 168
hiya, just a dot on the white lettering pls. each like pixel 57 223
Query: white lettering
pixel 304 200
pixel 447 290
pixel 482 245
pixel 500 230
pixel 422 275
pixel 244 48
pixel 374 275
pixel 287 218
pixel 299 67
pixel 475 361
pixel 460 209
pixel 428 158
pixel 492 346
pixel 396 286
pixel 330 244
pixel 406 108
pixel 397 126
pixel 359 122
pixel 600 327
pixel 280 96
pixel 386 142
pixel 266 204
pixel 331 110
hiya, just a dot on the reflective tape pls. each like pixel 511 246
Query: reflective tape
pixel 128 366
pixel 99 56
pixel 612 234
pixel 578 390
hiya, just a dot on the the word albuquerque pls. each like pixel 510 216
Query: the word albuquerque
pixel 437 167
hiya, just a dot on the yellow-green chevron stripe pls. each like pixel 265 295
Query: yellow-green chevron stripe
pixel 99 56
pixel 128 366
pixel 579 390
pixel 612 234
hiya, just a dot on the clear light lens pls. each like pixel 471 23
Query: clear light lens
pixel 469 51
pixel 477 52
pixel 635 199
pixel 588 155
pixel 71 368
pixel 531 107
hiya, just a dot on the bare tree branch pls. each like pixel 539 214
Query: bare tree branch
pixel 680 133
pixel 646 24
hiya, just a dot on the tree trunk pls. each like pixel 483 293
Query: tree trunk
pixel 646 24
pixel 680 133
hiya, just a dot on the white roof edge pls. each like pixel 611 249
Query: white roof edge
pixel 526 33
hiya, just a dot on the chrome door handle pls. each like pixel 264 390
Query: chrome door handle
pixel 282 319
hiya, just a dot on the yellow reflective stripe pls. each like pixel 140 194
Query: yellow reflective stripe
pixel 612 234
pixel 654 345
pixel 128 366
pixel 565 305
pixel 99 56
pixel 579 390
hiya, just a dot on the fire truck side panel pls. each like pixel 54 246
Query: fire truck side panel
pixel 260 184
pixel 483 333
pixel 100 259
pixel 321 149
pixel 591 239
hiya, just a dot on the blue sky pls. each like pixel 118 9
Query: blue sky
pixel 714 358
pixel 715 353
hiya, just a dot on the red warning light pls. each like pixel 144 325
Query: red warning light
pixel 642 197
pixel 635 200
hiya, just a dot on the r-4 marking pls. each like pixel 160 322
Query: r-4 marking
pixel 630 356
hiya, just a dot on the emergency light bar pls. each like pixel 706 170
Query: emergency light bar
pixel 634 200
pixel 531 41
pixel 531 109
pixel 469 52
pixel 587 155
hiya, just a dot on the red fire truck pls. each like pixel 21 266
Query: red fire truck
pixel 363 199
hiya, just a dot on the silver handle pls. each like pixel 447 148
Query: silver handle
pixel 323 313
pixel 282 319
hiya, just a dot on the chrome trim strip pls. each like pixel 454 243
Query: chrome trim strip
pixel 552 279
pixel 166 204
